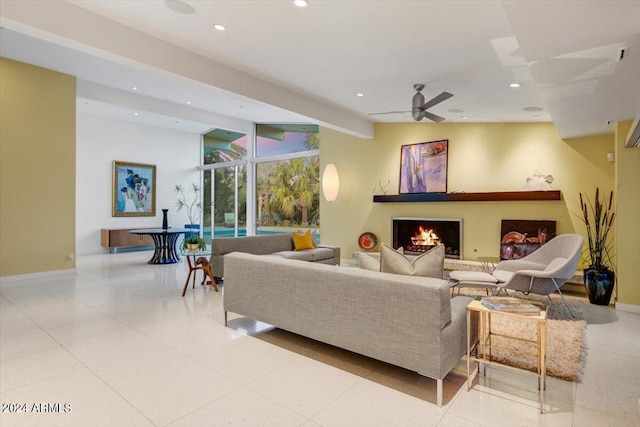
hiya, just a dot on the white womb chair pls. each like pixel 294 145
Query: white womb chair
pixel 541 272
pixel 545 270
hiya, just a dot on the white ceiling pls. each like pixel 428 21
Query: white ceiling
pixel 279 63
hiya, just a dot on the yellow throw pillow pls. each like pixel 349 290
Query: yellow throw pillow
pixel 302 241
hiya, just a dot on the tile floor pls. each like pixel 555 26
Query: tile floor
pixel 118 345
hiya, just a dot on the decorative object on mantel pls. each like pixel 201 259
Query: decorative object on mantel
pixel 381 189
pixel 423 167
pixel 598 218
pixel 497 196
pixel 367 241
pixel 133 190
pixel 538 182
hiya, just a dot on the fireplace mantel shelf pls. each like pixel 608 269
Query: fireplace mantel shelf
pixel 498 196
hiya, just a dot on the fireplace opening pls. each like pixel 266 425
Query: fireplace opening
pixel 418 235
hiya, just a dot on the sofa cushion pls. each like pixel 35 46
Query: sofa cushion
pixel 429 264
pixel 320 254
pixel 368 262
pixel 302 240
pixel 298 255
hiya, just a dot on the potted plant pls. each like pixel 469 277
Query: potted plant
pixel 598 218
pixel 193 243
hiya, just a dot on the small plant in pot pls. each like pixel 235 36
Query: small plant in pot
pixel 598 218
pixel 193 243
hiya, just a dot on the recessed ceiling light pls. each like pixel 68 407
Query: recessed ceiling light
pixel 514 85
pixel 456 110
pixel 360 94
pixel 134 88
pixel 135 114
pixel 531 109
pixel 536 116
pixel 301 3
pixel 189 102
pixel 219 27
pixel 178 6
pixel 464 117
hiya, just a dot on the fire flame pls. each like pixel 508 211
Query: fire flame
pixel 426 238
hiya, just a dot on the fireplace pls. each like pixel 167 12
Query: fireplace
pixel 418 235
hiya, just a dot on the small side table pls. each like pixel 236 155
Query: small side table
pixel 479 334
pixel 192 258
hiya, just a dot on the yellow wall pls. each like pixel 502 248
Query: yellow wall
pixel 482 157
pixel 628 212
pixel 37 169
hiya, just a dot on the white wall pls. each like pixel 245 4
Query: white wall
pixel 100 141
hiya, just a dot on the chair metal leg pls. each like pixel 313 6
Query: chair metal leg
pixel 563 300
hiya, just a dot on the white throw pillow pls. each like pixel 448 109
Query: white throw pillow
pixel 368 262
pixel 429 264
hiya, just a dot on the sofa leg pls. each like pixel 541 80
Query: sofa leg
pixel 225 318
pixel 439 393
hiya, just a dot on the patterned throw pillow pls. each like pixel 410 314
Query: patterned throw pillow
pixel 428 264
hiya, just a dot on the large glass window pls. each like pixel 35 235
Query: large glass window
pixel 287 177
pixel 273 191
pixel 225 183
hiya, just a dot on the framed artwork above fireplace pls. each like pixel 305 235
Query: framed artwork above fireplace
pixel 423 167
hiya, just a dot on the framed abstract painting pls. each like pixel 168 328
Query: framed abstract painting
pixel 423 167
pixel 134 189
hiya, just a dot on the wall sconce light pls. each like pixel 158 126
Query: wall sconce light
pixel 330 182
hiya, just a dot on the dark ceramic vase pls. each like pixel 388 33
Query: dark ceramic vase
pixel 165 221
pixel 599 285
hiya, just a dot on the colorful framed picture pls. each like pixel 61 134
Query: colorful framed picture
pixel 134 189
pixel 520 237
pixel 423 167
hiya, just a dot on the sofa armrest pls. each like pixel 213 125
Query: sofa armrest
pixel 336 252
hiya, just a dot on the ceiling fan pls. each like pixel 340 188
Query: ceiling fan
pixel 419 107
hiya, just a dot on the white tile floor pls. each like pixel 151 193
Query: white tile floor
pixel 119 345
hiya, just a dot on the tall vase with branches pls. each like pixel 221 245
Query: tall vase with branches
pixel 598 218
pixel 191 204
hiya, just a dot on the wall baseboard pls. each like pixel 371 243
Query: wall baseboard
pixel 631 308
pixel 17 277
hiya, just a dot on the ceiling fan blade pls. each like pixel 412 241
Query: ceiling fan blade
pixel 432 117
pixel 389 112
pixel 438 99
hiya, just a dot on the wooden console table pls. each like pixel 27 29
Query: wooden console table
pixel 117 238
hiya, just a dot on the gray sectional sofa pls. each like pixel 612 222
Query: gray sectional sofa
pixel 408 321
pixel 279 245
